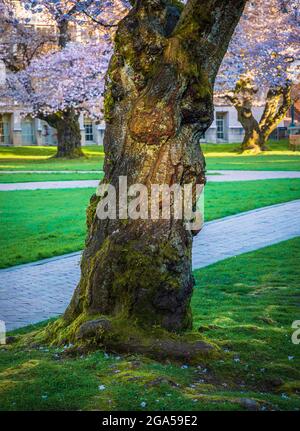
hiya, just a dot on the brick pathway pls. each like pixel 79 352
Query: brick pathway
pixel 34 292
pixel 215 176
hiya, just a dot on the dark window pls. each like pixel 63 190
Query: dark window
pixel 88 126
pixel 220 126
pixel 4 130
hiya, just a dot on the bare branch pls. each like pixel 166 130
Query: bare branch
pixel 103 24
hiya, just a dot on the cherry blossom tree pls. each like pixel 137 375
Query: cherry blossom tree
pixel 261 66
pixel 79 14
pixel 18 43
pixel 58 86
pixel 45 89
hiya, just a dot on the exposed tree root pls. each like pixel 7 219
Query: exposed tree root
pixel 118 336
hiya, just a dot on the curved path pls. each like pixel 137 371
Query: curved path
pixel 215 176
pixel 34 292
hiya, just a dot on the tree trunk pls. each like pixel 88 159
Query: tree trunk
pixel 68 133
pixel 158 102
pixel 251 127
pixel 277 105
pixel 63 33
pixel 278 102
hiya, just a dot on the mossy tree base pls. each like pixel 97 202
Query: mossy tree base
pixel 254 141
pixel 252 147
pixel 89 333
pixel 142 274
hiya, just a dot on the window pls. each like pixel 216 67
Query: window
pixel 4 129
pixel 88 127
pixel 46 30
pixel 220 121
pixel 28 137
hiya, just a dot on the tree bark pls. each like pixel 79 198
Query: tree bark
pixel 68 133
pixel 158 102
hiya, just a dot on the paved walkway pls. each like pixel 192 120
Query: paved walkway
pixel 77 184
pixel 34 292
pixel 215 176
pixel 244 232
pixel 251 175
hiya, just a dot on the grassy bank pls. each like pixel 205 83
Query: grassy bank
pixel 246 305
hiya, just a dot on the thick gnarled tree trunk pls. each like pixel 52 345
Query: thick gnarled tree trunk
pixel 278 102
pixel 138 273
pixel 252 139
pixel 68 133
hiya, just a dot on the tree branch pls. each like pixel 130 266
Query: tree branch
pixel 103 24
pixel 285 104
pixel 273 114
pixel 75 9
pixel 233 99
pixel 209 24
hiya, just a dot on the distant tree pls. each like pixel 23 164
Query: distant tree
pixel 260 67
pixel 58 86
pixel 65 16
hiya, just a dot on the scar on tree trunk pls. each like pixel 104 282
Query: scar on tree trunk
pixel 278 102
pixel 68 133
pixel 136 282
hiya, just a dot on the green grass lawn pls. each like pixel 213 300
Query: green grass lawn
pixel 226 156
pixel 265 162
pixel 45 223
pixel 246 305
pixel 39 159
pixel 218 156
pixel 26 178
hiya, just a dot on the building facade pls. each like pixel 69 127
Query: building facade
pixel 17 130
pixel 226 127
